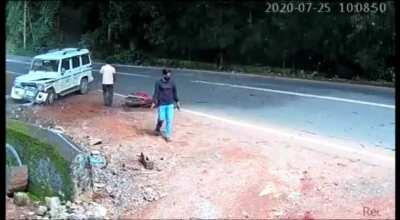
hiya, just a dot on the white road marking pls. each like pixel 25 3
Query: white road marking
pixel 13 73
pixel 261 89
pixel 134 74
pixel 150 67
pixel 17 61
pixel 118 73
pixel 274 131
pixel 115 93
pixel 296 94
pixel 285 134
pixel 124 96
pixel 127 74
pixel 136 66
pixel 226 73
pixel 96 71
pixel 290 135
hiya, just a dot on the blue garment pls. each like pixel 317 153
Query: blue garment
pixel 166 113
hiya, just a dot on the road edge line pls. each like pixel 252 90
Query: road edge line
pixel 285 134
pixel 233 73
pixel 307 95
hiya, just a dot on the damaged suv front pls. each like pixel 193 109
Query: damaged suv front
pixel 33 86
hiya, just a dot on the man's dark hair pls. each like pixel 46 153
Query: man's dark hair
pixel 165 71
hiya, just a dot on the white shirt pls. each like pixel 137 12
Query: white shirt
pixel 108 72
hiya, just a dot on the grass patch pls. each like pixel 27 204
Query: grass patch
pixel 49 172
pixel 34 198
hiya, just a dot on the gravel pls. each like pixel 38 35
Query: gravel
pixel 117 189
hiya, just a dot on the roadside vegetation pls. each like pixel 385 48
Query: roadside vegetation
pixel 43 161
pixel 210 35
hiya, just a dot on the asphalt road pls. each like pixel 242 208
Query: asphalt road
pixel 364 114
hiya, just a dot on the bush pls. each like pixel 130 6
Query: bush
pixel 10 47
pixel 95 42
pixel 385 74
pixel 126 57
pixel 175 63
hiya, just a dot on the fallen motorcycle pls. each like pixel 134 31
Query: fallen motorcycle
pixel 138 99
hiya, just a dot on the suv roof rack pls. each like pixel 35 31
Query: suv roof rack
pixel 66 50
pixel 53 50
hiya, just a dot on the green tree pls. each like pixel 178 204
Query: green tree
pixel 225 32
pixel 14 25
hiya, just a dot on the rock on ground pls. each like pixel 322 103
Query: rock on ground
pixel 21 199
pixel 41 210
pixel 53 203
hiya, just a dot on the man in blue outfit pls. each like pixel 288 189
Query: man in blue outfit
pixel 164 98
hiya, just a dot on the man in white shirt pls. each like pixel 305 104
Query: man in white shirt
pixel 108 72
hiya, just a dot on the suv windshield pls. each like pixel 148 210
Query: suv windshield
pixel 45 65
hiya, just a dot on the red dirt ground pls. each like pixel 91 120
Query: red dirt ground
pixel 219 170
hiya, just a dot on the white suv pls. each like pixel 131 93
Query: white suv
pixel 55 73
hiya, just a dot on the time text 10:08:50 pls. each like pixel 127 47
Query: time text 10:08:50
pixel 325 7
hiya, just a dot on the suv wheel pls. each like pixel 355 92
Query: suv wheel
pixel 51 96
pixel 83 86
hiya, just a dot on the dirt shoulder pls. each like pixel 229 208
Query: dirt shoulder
pixel 213 169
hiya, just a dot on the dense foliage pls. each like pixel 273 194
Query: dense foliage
pixel 224 33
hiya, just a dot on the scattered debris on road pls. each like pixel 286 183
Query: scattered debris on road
pixel 269 189
pixel 145 160
pixel 95 141
pixel 241 176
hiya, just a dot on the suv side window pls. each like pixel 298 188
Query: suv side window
pixel 65 64
pixel 85 59
pixel 75 62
